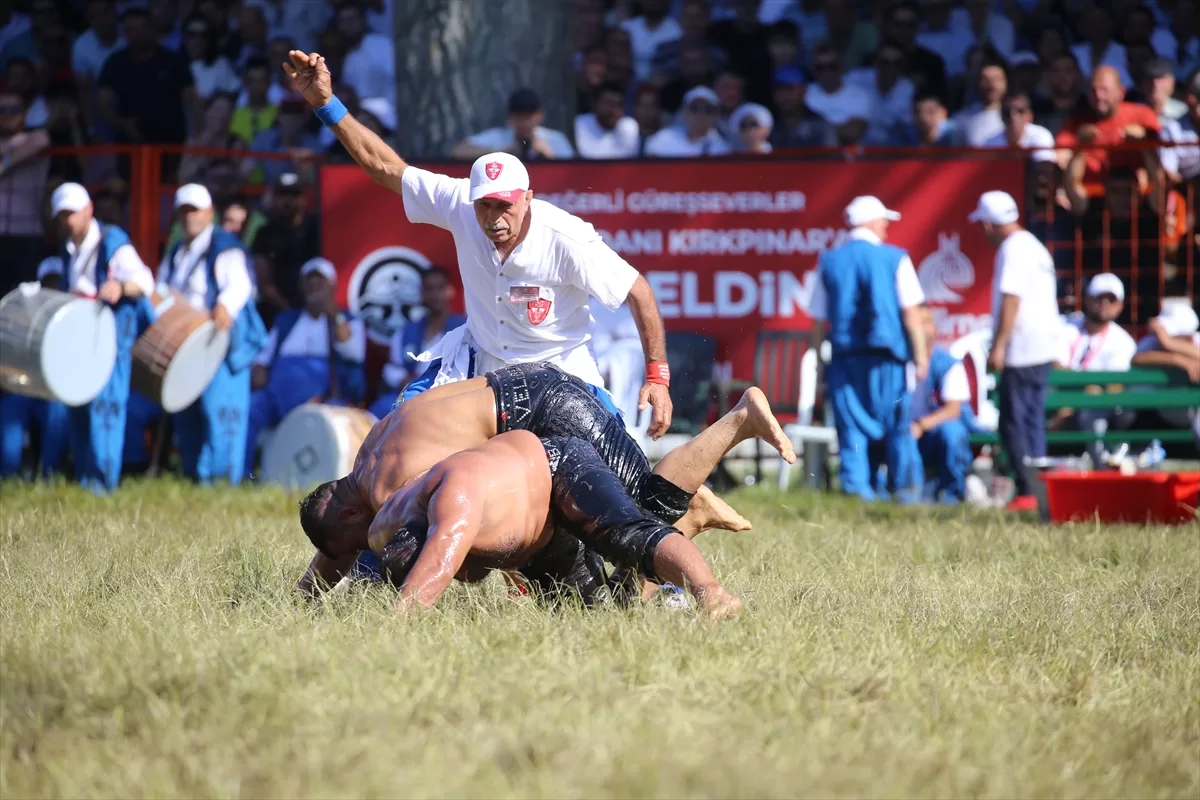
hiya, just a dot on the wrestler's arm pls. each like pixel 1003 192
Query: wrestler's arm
pixel 454 521
pixel 322 573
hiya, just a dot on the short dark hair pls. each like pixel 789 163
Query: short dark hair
pixel 256 62
pixel 1015 94
pixel 135 11
pixel 315 517
pixel 610 87
pixel 445 273
pixel 928 94
pixel 402 550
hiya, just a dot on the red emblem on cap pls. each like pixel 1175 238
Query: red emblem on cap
pixel 537 310
pixel 493 169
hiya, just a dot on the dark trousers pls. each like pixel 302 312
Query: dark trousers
pixel 1023 419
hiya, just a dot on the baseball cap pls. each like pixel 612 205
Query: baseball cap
pixel 288 182
pixel 1178 319
pixel 69 197
pixel 194 195
pixel 1106 283
pixel 53 265
pixel 759 114
pixel 498 176
pixel 788 76
pixel 700 93
pixel 321 265
pixel 996 208
pixel 524 101
pixel 868 209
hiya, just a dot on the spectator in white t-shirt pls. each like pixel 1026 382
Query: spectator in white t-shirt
pixel 524 135
pixel 102 37
pixel 1094 342
pixel 1174 341
pixel 607 132
pixel 981 121
pixel 752 124
pixel 1027 329
pixel 697 135
pixel 890 93
pixel 1020 131
pixel 646 32
pixel 843 105
pixel 370 65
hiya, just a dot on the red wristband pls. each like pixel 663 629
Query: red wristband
pixel 658 372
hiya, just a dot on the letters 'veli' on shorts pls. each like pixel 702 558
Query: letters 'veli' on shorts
pixel 524 294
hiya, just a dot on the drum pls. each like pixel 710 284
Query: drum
pixel 177 357
pixel 55 346
pixel 315 443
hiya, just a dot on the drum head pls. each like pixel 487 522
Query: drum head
pixel 193 367
pixel 307 448
pixel 79 351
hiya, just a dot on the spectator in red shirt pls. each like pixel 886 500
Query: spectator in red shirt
pixel 1106 120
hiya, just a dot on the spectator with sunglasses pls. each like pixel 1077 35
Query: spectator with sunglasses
pixel 843 105
pixel 752 124
pixel 697 135
pixel 1020 131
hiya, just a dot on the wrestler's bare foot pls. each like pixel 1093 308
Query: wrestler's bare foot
pixel 718 602
pixel 707 511
pixel 760 422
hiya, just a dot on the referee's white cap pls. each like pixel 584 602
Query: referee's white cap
pixel 868 209
pixel 995 208
pixel 498 176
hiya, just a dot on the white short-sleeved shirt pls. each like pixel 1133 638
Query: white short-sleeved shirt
pixel 309 338
pixel 1032 136
pixel 597 142
pixel 562 262
pixel 88 54
pixel 502 138
pixel 1109 350
pixel 908 285
pixel 644 40
pixel 1025 269
pixel 189 277
pixel 673 142
pixel 926 398
pixel 123 265
pixel 849 102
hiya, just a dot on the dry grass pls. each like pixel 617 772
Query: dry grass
pixel 151 647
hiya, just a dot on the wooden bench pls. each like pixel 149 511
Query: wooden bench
pixel 1143 388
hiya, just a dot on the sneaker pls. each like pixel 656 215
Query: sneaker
pixel 1025 502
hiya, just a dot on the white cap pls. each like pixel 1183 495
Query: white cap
pixel 322 265
pixel 701 93
pixel 868 209
pixel 69 197
pixel 194 195
pixel 499 176
pixel 996 208
pixel 53 265
pixel 1106 283
pixel 381 109
pixel 1178 319
pixel 760 113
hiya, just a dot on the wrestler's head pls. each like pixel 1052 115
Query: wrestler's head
pixel 401 551
pixel 333 522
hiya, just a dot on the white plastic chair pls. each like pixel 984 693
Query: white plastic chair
pixel 802 431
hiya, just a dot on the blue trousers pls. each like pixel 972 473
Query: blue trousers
pixel 293 382
pixel 141 412
pixel 17 414
pixel 870 402
pixel 1023 419
pixel 212 430
pixel 946 453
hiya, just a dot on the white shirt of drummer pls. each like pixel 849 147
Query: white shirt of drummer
pixel 309 338
pixel 563 261
pixel 123 265
pixel 189 277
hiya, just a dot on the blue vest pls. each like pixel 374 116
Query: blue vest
pixel 249 334
pixel 863 311
pixel 112 239
pixel 927 396
pixel 350 374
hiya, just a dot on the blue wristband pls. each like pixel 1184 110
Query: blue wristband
pixel 332 112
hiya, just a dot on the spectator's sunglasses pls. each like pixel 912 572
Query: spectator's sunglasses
pixel 748 123
pixel 702 108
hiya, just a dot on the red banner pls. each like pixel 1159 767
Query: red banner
pixel 729 247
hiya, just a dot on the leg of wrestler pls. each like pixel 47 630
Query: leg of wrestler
pixel 589 498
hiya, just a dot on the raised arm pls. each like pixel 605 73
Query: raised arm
pixel 312 78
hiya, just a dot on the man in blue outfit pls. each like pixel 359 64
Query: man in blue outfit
pixel 100 262
pixel 868 293
pixel 210 268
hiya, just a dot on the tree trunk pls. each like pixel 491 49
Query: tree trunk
pixel 457 61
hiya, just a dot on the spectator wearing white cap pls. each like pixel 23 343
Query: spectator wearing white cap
pixel 752 124
pixel 868 295
pixel 21 416
pixel 1174 341
pixel 99 261
pixel 209 267
pixel 1094 342
pixel 529 270
pixel 312 355
pixel 697 134
pixel 1027 330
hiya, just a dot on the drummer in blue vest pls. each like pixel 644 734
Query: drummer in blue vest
pixel 99 261
pixel 210 268
pixel 19 413
pixel 868 293
pixel 437 292
pixel 294 367
pixel 942 420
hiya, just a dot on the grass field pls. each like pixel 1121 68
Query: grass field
pixel 151 647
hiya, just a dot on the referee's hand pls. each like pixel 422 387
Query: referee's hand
pixel 656 395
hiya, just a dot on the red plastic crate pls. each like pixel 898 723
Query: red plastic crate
pixel 1154 497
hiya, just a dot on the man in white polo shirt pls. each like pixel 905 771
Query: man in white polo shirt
pixel 1027 331
pixel 529 270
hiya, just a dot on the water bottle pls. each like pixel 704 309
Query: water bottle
pixel 1152 456
pixel 673 597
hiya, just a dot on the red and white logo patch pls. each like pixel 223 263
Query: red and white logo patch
pixel 493 169
pixel 537 310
